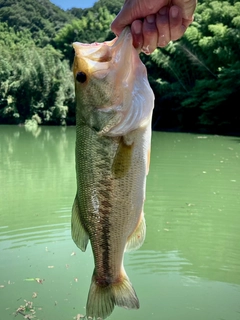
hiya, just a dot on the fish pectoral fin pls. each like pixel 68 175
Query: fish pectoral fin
pixel 122 160
pixel 79 234
pixel 137 238
pixel 103 298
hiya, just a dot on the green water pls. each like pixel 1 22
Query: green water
pixel 189 265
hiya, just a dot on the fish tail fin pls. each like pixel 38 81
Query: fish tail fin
pixel 103 297
pixel 124 293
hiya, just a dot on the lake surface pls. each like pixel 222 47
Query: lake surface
pixel 189 265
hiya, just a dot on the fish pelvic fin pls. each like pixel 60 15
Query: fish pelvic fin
pixel 137 238
pixel 103 297
pixel 79 234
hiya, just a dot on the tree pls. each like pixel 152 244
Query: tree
pixel 94 27
pixel 113 7
pixel 42 18
pixel 200 73
pixel 196 79
pixel 35 82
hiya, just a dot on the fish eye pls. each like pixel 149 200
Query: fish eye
pixel 81 77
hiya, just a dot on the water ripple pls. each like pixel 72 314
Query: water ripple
pixel 26 237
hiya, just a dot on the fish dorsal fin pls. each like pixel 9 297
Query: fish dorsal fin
pixel 79 235
pixel 136 239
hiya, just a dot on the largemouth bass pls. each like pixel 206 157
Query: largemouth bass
pixel 114 104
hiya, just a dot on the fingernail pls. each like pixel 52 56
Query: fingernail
pixel 174 12
pixel 163 11
pixel 136 27
pixel 146 50
pixel 150 18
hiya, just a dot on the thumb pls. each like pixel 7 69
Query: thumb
pixel 124 18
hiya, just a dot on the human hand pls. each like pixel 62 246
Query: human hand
pixel 154 22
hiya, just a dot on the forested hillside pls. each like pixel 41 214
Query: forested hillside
pixel 196 80
pixel 113 7
pixel 42 18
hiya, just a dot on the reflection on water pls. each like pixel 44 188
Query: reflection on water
pixel 194 186
pixel 189 265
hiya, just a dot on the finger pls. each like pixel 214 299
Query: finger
pixel 133 10
pixel 162 23
pixel 130 12
pixel 136 29
pixel 187 6
pixel 187 22
pixel 150 34
pixel 177 28
pixel 124 18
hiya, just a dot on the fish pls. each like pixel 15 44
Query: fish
pixel 114 105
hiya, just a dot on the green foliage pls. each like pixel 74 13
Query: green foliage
pixel 201 73
pixel 34 83
pixel 196 80
pixel 95 26
pixel 42 18
pixel 8 37
pixel 113 7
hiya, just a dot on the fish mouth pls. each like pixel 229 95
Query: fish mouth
pixel 93 51
pixel 99 58
pixel 96 50
pixel 102 52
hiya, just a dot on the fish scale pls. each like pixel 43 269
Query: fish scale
pixel 114 105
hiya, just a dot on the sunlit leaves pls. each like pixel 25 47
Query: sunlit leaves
pixel 38 82
pixel 195 79
pixel 95 26
pixel 34 16
pixel 204 65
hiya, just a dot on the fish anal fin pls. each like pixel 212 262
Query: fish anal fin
pixel 103 298
pixel 137 238
pixel 79 234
